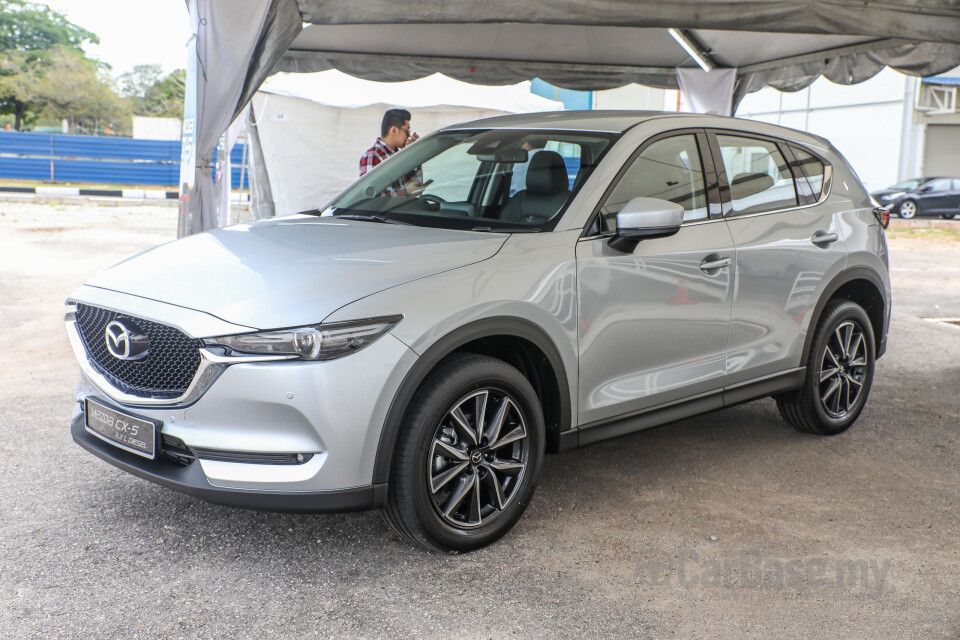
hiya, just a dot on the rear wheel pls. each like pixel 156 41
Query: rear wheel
pixel 468 457
pixel 908 209
pixel 839 373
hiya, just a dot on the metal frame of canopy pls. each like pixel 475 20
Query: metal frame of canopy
pixel 787 44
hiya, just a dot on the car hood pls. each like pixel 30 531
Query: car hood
pixel 292 271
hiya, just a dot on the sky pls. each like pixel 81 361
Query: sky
pixel 132 32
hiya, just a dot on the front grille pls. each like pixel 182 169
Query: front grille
pixel 167 370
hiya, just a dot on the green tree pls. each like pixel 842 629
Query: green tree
pixel 28 33
pixel 135 84
pixel 149 94
pixel 71 87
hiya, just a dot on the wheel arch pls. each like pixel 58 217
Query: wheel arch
pixel 520 343
pixel 860 285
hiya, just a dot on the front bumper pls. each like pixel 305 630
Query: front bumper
pixel 191 480
pixel 332 412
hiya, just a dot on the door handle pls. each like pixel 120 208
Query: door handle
pixel 712 263
pixel 824 238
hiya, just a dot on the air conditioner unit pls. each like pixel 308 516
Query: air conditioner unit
pixel 936 99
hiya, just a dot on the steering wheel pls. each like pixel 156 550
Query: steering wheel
pixel 436 202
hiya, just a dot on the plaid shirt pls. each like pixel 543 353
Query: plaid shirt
pixel 374 156
pixel 377 154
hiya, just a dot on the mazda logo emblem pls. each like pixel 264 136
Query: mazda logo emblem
pixel 125 341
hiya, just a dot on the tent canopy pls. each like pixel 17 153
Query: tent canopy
pixel 577 44
pixel 600 44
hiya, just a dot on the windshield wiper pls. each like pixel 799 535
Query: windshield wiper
pixel 369 218
pixel 508 230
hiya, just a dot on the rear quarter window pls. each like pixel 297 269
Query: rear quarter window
pixel 810 174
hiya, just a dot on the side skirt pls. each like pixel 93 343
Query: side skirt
pixel 680 409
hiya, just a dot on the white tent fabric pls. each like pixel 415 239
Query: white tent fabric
pixel 337 89
pixel 703 92
pixel 312 129
pixel 578 44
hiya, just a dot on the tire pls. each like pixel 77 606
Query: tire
pixel 839 367
pixel 448 492
pixel 908 209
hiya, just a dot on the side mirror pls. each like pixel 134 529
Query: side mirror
pixel 643 218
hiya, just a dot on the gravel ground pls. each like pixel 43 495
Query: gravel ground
pixel 729 525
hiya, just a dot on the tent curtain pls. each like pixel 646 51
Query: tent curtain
pixel 924 59
pixel 703 92
pixel 238 44
pixel 261 192
pixel 393 68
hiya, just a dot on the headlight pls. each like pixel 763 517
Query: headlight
pixel 318 342
pixel 894 196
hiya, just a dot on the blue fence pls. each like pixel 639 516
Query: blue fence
pixel 68 158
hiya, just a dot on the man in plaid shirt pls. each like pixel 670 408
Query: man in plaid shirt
pixel 394 135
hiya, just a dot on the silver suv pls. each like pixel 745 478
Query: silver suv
pixel 498 290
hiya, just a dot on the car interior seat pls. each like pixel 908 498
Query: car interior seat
pixel 547 190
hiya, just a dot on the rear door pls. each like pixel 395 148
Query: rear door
pixel 936 197
pixel 785 242
pixel 653 323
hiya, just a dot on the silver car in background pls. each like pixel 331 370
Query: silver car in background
pixel 500 289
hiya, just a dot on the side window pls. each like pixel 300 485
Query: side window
pixel 813 168
pixel 956 184
pixel 940 184
pixel 669 169
pixel 757 174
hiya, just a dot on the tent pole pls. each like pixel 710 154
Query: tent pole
pixel 188 136
pixel 243 170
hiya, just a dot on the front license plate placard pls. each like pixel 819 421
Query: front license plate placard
pixel 130 433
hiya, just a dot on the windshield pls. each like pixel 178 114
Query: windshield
pixel 505 180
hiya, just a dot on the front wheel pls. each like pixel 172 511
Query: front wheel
pixel 839 373
pixel 468 456
pixel 908 209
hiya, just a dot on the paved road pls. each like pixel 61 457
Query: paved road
pixel 761 517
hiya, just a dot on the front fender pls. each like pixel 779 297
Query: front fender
pixel 528 291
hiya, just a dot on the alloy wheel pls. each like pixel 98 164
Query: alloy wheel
pixel 908 209
pixel 477 459
pixel 843 369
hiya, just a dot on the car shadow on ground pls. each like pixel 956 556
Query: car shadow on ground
pixel 593 478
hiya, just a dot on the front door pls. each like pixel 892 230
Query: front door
pixel 653 323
